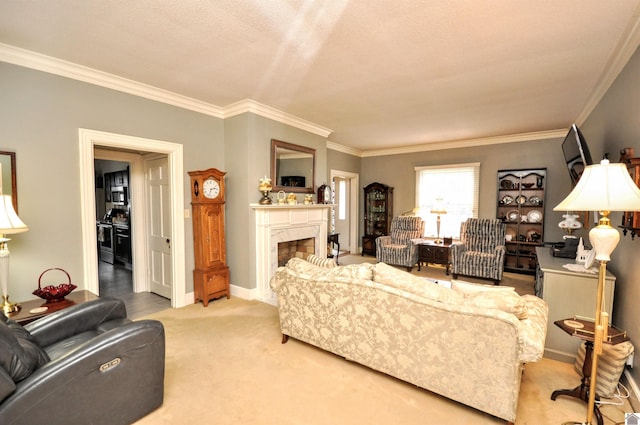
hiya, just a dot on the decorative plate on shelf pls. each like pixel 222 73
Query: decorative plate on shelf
pixel 513 215
pixel 506 200
pixel 534 216
pixel 506 184
pixel 521 200
pixel 535 200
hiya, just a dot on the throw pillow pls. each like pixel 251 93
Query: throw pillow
pixel 362 271
pixel 322 262
pixel 20 355
pixel 468 288
pixel 507 301
pixel 391 276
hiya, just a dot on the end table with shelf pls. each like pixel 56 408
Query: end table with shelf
pixel 33 309
pixel 434 253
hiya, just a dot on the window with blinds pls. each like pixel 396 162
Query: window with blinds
pixel 458 187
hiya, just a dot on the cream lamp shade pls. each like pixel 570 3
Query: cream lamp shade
pixel 438 208
pixel 9 220
pixel 604 187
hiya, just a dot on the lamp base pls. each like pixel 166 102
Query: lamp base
pixel 9 307
pixel 265 200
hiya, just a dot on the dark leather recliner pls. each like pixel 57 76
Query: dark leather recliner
pixel 87 364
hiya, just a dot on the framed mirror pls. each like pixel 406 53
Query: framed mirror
pixel 9 186
pixel 293 167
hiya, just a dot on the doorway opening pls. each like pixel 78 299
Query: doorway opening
pixel 101 145
pixel 344 216
pixel 113 212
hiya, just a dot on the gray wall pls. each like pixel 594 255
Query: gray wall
pixel 398 171
pixel 40 115
pixel 248 154
pixel 614 125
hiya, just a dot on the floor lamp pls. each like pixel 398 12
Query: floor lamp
pixel 9 223
pixel 438 208
pixel 604 188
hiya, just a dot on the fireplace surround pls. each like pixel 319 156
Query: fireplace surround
pixel 283 223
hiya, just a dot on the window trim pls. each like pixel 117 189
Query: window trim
pixel 476 183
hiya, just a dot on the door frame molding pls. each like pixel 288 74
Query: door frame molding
pixel 88 141
pixel 354 180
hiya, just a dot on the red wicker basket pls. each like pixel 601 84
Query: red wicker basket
pixel 53 293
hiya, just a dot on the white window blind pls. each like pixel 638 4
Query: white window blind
pixel 458 185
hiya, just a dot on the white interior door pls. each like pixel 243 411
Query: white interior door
pixel 342 211
pixel 159 222
pixel 346 197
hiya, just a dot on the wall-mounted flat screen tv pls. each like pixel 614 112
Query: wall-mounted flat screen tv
pixel 576 153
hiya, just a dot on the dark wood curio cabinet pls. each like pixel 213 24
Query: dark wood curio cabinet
pixel 521 196
pixel 378 212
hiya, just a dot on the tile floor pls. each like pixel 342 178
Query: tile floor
pixel 116 281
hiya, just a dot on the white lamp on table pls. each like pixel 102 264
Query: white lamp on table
pixel 9 223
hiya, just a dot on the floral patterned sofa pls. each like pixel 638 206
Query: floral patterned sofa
pixel 466 342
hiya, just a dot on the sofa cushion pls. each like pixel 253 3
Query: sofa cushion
pixel 20 355
pixel 507 301
pixel 322 262
pixel 391 276
pixel 468 288
pixel 306 270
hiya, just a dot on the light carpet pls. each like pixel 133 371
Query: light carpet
pixel 225 364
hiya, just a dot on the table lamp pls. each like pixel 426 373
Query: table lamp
pixel 604 188
pixel 9 223
pixel 438 208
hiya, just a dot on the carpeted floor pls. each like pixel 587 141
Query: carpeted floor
pixel 225 364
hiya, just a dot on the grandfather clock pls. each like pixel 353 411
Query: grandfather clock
pixel 211 274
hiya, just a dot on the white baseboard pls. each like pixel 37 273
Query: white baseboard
pixel 634 397
pixel 236 291
pixel 244 293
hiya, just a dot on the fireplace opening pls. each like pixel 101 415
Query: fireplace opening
pixel 300 248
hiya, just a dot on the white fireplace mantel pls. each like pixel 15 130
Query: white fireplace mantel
pixel 283 223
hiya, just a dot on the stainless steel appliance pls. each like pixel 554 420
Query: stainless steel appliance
pixel 122 244
pixel 119 195
pixel 105 241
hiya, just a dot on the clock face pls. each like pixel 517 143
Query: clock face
pixel 211 188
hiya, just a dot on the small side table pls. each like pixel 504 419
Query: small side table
pixel 333 239
pixel 25 315
pixel 434 253
pixel 585 330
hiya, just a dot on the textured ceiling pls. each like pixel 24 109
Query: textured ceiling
pixel 379 74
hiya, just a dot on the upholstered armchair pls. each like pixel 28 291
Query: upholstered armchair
pixel 397 248
pixel 87 364
pixel 481 250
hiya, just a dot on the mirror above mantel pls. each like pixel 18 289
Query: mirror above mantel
pixel 293 167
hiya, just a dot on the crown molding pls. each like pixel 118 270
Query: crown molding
pixel 248 105
pixel 618 60
pixel 74 71
pixel 455 144
pixel 51 65
pixel 344 149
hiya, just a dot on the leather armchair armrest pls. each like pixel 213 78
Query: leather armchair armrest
pixel 7 386
pixel 76 319
pixel 121 367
